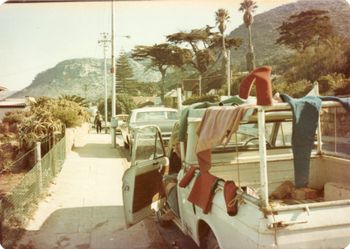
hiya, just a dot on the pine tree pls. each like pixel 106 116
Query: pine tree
pixel 124 73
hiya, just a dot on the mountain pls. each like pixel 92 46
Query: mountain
pixel 83 77
pixel 6 93
pixel 265 34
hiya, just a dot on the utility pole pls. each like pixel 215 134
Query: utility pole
pixel 104 41
pixel 113 69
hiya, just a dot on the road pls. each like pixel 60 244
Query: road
pixel 84 207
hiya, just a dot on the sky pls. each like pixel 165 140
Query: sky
pixel 35 37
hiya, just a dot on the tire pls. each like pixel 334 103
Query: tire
pixel 211 241
pixel 162 222
pixel 126 145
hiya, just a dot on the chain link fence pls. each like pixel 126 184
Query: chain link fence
pixel 19 205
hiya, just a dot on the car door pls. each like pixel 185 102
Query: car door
pixel 142 182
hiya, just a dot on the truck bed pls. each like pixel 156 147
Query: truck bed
pixel 324 170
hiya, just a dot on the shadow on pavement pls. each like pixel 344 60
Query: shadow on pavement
pixel 91 228
pixel 96 150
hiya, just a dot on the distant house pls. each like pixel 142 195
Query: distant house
pixel 172 96
pixel 12 104
pixel 190 87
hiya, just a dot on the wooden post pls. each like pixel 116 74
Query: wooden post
pixel 179 98
pixel 200 85
pixel 1 221
pixel 53 156
pixel 39 169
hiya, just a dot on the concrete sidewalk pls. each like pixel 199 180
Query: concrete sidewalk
pixel 84 207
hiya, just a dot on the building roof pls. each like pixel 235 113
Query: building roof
pixel 2 88
pixel 172 93
pixel 7 103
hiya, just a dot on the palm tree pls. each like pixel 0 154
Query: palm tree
pixel 221 17
pixel 248 6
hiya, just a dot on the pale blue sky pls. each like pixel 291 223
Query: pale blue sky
pixel 35 37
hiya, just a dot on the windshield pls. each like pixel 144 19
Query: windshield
pixel 277 134
pixel 335 131
pixel 156 115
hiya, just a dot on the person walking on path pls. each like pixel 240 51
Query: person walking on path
pixel 98 122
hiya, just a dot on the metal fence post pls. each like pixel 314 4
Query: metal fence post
pixel 53 152
pixel 39 166
pixel 1 221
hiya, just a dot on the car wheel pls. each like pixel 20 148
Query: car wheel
pixel 211 242
pixel 162 222
pixel 130 150
pixel 126 145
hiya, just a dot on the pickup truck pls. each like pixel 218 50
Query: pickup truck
pixel 259 159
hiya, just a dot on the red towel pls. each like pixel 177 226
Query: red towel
pixel 187 177
pixel 230 194
pixel 203 191
pixel 261 77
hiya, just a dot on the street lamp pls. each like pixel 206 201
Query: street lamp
pixel 104 41
pixel 113 70
pixel 113 121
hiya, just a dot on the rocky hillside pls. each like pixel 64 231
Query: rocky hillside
pixel 83 77
pixel 264 28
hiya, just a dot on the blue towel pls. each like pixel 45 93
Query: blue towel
pixel 344 101
pixel 305 119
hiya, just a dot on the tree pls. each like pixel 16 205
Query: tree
pixel 308 28
pixel 316 61
pixel 75 98
pixel 124 105
pixel 163 56
pixel 124 73
pixel 203 43
pixel 248 6
pixel 319 51
pixel 221 17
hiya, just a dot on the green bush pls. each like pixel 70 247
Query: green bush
pixel 25 128
pixel 332 83
pixel 297 89
pixel 70 113
pixel 168 102
pixel 144 104
pixel 124 104
pixel 196 99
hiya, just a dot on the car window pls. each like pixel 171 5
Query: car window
pixel 171 115
pixel 247 137
pixel 148 144
pixel 156 115
pixel 159 151
pixel 145 140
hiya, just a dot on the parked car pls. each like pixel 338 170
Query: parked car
pixel 163 117
pixel 122 119
pixel 259 163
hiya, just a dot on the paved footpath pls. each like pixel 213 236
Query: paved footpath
pixel 84 207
